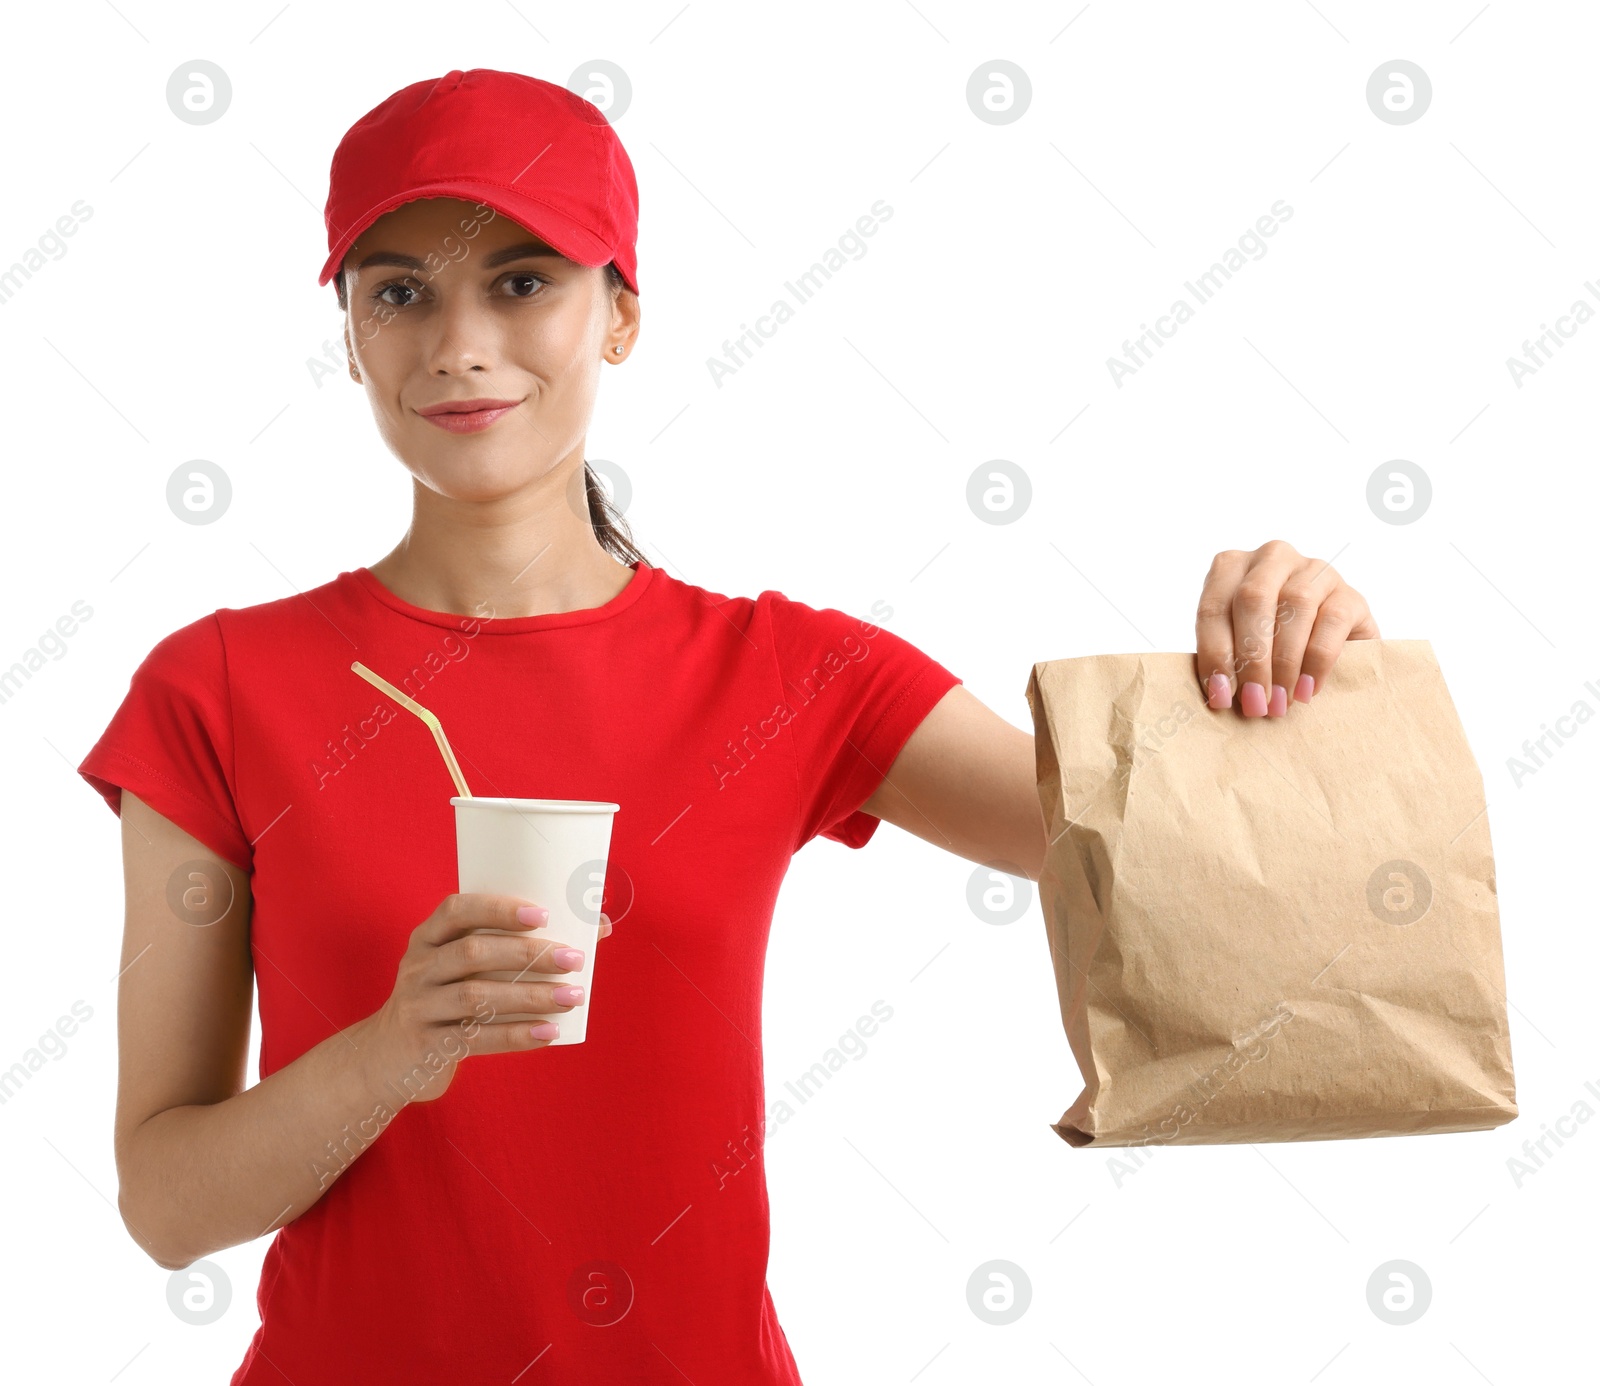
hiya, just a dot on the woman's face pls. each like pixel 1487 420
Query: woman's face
pixel 451 302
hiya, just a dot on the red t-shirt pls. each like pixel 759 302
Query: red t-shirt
pixel 509 1222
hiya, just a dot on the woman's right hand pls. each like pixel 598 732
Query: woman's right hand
pixel 441 1009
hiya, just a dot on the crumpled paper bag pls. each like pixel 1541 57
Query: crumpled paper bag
pixel 1269 929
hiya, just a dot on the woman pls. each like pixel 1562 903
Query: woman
pixel 579 1215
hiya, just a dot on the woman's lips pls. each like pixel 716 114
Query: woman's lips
pixel 470 420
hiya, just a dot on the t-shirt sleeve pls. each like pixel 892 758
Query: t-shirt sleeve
pixel 855 692
pixel 171 741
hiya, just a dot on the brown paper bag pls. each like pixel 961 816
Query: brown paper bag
pixel 1269 929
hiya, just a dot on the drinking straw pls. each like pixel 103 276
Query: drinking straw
pixel 410 705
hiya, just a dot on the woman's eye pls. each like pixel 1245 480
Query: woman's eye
pixel 401 294
pixel 524 285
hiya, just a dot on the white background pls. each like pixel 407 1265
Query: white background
pixel 833 467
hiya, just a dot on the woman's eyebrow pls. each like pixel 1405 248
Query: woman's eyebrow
pixel 527 250
pixel 524 251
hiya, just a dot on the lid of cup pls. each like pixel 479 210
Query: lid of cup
pixel 537 805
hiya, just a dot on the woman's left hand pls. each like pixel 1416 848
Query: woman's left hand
pixel 1270 625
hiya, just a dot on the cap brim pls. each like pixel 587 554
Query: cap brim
pixel 573 240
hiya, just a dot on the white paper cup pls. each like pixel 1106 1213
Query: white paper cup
pixel 552 852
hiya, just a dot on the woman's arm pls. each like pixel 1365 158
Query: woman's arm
pixel 203 1162
pixel 966 778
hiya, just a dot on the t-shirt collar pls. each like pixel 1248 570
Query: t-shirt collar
pixel 509 625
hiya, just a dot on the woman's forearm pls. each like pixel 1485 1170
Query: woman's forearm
pixel 198 1178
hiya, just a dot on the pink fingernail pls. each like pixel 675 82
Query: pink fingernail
pixel 1278 704
pixel 532 914
pixel 1304 687
pixel 1218 694
pixel 567 996
pixel 1253 700
pixel 569 958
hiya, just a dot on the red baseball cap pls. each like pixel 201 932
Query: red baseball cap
pixel 531 150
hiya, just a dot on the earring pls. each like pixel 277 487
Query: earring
pixel 617 349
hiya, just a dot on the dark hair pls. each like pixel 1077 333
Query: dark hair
pixel 610 528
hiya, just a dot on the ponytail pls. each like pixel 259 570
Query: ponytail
pixel 609 526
